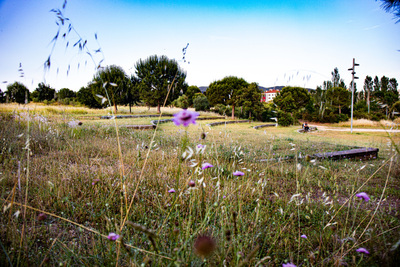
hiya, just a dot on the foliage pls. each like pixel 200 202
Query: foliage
pixel 338 97
pixel 181 102
pixel 285 119
pixel 43 92
pixel 191 92
pixel 65 93
pixel 113 79
pixel 225 91
pixel 201 103
pixel 17 92
pixel 291 99
pixel 2 96
pixel 392 6
pixel 159 77
pixel 85 97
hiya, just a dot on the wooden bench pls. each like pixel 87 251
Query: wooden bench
pixel 358 153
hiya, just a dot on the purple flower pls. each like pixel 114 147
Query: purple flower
pixel 363 195
pixel 200 146
pixel 185 117
pixel 363 250
pixel 303 236
pixel 206 166
pixel 238 173
pixel 112 236
pixel 288 265
pixel 171 190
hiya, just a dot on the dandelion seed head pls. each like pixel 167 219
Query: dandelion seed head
pixel 204 245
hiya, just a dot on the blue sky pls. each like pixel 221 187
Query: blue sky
pixel 271 43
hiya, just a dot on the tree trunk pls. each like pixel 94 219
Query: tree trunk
pixel 130 108
pixel 158 108
pixel 340 110
pixel 233 112
pixel 115 108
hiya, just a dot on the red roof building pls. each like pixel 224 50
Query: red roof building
pixel 269 95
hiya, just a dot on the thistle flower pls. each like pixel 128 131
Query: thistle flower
pixel 206 166
pixel 238 173
pixel 362 250
pixel 303 236
pixel 185 117
pixel 41 217
pixel 171 190
pixel 112 236
pixel 204 245
pixel 363 195
pixel 192 183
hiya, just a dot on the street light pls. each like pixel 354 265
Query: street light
pixel 353 71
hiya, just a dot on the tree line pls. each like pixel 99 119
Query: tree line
pixel 159 81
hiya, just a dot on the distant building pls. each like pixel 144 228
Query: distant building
pixel 269 95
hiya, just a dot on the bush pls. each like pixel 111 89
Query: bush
pixel 201 103
pixel 285 119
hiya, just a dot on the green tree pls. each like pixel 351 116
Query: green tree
pixel 190 93
pixel 65 93
pixel 2 97
pixel 17 92
pixel 225 91
pixel 160 80
pixel 249 98
pixel 291 99
pixel 132 96
pixel 44 92
pixel 113 79
pixel 201 103
pixel 368 85
pixel 338 97
pixel 85 97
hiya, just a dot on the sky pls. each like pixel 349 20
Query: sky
pixel 272 43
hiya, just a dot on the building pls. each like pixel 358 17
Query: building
pixel 269 95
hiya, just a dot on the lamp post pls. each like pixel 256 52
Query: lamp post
pixel 353 71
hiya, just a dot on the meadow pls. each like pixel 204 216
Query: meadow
pixel 99 194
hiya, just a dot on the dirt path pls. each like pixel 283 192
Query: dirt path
pixel 347 129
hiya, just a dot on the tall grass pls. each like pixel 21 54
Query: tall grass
pixel 77 195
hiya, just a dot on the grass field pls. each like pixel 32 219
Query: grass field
pixel 65 188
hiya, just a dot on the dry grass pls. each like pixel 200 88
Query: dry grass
pixel 88 179
pixel 364 123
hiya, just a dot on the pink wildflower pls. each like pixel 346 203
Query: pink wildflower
pixel 362 250
pixel 238 173
pixel 112 236
pixel 171 190
pixel 185 117
pixel 206 166
pixel 363 195
pixel 288 265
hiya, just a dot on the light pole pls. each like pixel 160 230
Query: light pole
pixel 353 71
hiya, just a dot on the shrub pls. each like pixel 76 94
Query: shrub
pixel 285 119
pixel 201 103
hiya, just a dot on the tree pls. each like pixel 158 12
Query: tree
pixel 225 91
pixel 339 97
pixel 367 89
pixel 393 84
pixel 65 93
pixel 17 92
pixel 249 98
pixel 190 93
pixel 2 97
pixel 160 80
pixel 291 99
pixel 85 97
pixel 392 6
pixel 113 82
pixel 44 92
pixel 132 96
pixel 201 103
